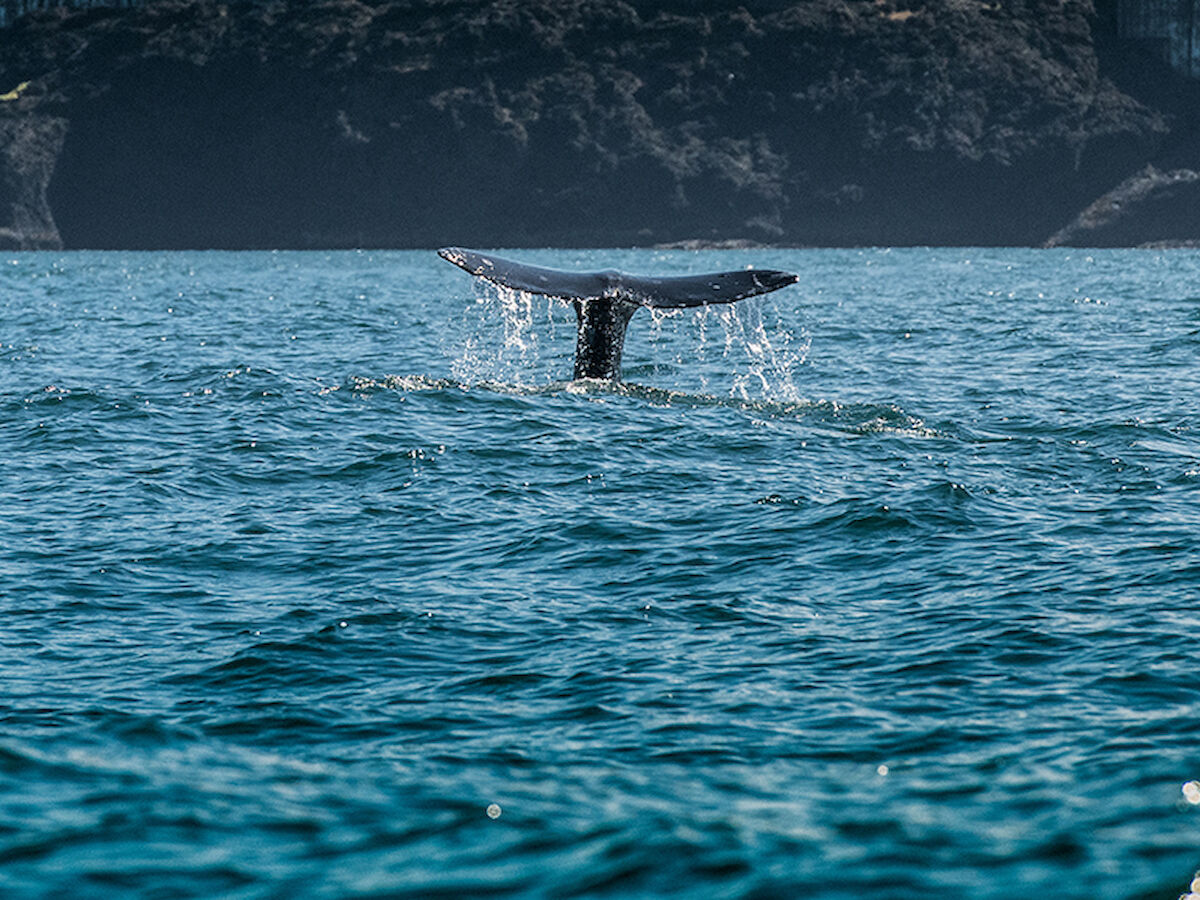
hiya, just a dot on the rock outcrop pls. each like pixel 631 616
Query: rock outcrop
pixel 568 122
pixel 1151 208
pixel 29 150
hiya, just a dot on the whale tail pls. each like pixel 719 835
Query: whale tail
pixel 606 301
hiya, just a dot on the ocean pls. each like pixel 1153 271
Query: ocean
pixel 320 579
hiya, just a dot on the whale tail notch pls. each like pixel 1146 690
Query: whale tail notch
pixel 606 301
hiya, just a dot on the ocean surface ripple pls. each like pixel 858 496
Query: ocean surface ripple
pixel 320 580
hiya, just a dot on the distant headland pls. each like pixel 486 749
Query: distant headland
pixel 414 123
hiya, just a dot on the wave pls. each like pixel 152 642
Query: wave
pixel 855 417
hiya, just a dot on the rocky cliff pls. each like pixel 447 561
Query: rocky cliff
pixel 29 147
pixel 188 123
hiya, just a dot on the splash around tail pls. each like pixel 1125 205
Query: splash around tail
pixel 606 301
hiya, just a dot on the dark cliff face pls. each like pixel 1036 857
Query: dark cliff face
pixel 29 147
pixel 198 124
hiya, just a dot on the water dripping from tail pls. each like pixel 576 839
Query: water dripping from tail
pixel 760 356
pixel 505 335
pixel 766 359
pixel 742 351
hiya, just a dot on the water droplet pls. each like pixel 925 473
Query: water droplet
pixel 1191 792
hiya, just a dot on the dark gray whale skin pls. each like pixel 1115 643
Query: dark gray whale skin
pixel 606 301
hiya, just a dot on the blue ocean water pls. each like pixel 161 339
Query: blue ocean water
pixel 318 579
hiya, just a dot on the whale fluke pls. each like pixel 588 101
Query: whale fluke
pixel 606 301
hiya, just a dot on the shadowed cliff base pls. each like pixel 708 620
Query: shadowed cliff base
pixel 412 124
